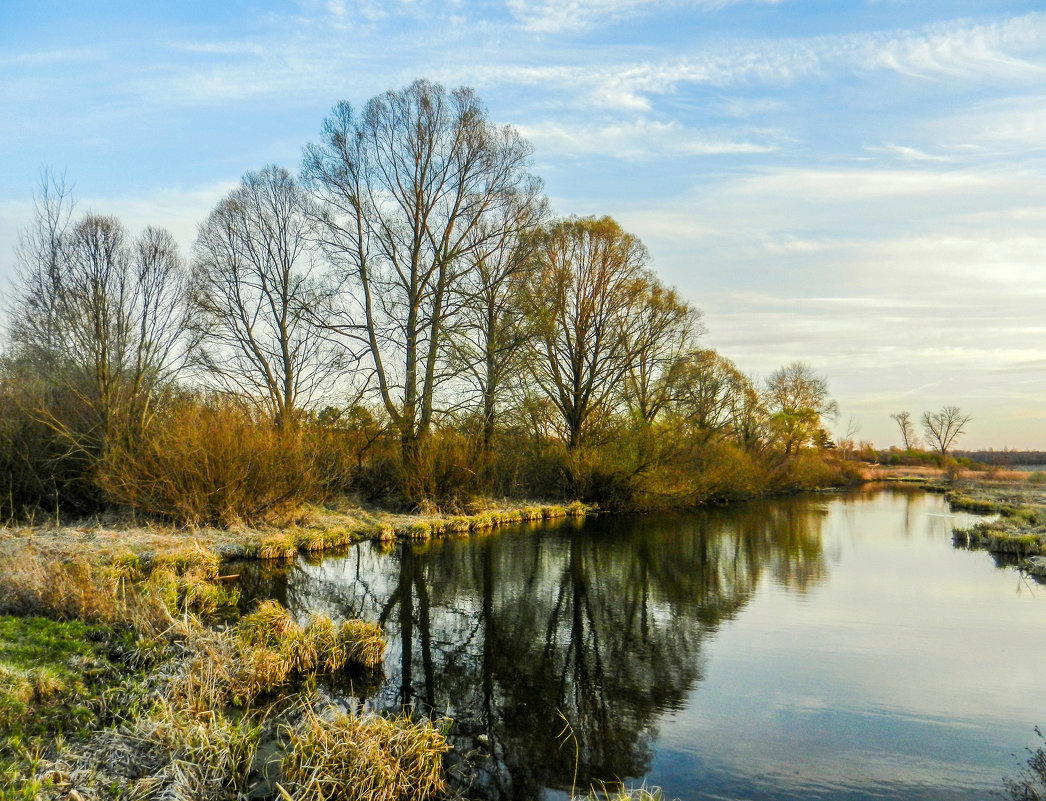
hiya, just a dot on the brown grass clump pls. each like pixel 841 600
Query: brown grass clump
pixel 311 540
pixel 273 648
pixel 349 758
pixel 457 524
pixel 364 642
pixel 207 754
pixel 338 537
pixel 185 581
pixel 268 623
pixel 274 545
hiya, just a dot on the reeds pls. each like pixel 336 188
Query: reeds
pixel 605 793
pixel 370 758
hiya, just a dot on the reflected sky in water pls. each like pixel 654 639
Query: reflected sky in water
pixel 830 647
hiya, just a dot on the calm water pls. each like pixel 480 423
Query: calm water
pixel 827 647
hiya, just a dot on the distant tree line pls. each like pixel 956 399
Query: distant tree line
pixel 404 319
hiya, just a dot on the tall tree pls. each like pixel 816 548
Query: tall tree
pixel 711 394
pixel 260 307
pixel 407 187
pixel 491 333
pixel 797 398
pixel 34 317
pixel 663 332
pixel 943 428
pixel 907 429
pixel 583 300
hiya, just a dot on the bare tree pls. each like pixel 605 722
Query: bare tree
pixel 747 412
pixel 33 316
pixel 583 300
pixel 103 319
pixel 943 428
pixel 662 331
pixel 710 392
pixel 846 436
pixel 491 333
pixel 797 398
pixel 907 429
pixel 260 308
pixel 407 187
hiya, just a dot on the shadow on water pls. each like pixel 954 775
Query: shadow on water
pixel 598 623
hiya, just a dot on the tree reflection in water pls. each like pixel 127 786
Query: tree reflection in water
pixel 597 623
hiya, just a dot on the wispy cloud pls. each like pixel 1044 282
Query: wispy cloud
pixel 49 58
pixel 559 16
pixel 1013 50
pixel 640 139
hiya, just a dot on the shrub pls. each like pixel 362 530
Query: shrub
pixel 212 463
pixel 442 471
pixel 1030 784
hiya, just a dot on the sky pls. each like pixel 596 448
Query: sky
pixel 856 184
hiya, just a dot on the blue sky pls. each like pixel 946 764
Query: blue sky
pixel 859 185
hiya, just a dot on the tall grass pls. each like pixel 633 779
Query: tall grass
pixel 369 758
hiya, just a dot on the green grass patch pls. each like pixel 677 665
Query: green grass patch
pixel 49 672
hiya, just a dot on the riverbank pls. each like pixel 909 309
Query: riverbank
pixel 1018 532
pixel 162 689
pixel 163 592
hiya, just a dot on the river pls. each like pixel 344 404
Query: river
pixel 831 646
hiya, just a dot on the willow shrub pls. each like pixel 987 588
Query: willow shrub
pixel 212 463
pixel 445 471
pixel 43 469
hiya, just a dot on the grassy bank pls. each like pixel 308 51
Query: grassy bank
pixel 125 671
pixel 1018 530
pixel 113 684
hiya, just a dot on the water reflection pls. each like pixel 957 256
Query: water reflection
pixel 595 626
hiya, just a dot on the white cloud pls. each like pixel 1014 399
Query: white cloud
pixel 636 140
pixel 906 153
pixel 559 16
pixel 49 58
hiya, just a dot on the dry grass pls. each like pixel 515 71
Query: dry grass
pixel 209 754
pixel 349 758
pixel 272 649
pixel 605 793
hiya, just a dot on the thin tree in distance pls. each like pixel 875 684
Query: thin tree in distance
pixel 907 429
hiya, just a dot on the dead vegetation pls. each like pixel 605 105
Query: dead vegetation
pixel 208 705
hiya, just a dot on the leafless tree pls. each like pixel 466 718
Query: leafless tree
pixel 711 394
pixel 845 437
pixel 943 428
pixel 406 188
pixel 33 316
pixel 907 429
pixel 102 319
pixel 747 412
pixel 584 300
pixel 261 309
pixel 491 333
